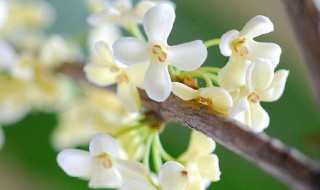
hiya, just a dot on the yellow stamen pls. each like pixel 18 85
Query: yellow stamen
pixel 253 97
pixel 122 78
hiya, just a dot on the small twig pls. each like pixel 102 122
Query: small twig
pixel 305 20
pixel 281 161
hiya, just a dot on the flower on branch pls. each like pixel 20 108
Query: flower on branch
pixel 158 23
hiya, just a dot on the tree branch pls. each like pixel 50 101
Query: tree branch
pixel 281 161
pixel 305 20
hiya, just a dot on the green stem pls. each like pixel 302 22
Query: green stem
pixel 163 153
pixel 135 32
pixel 156 155
pixel 212 42
pixel 135 150
pixel 209 69
pixel 146 155
pixel 205 77
pixel 213 78
pixel 126 130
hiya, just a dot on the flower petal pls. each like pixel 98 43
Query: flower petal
pixel 257 26
pixel 183 91
pixel 194 150
pixel 100 75
pixel 196 182
pixel 265 50
pixel 76 163
pixel 232 76
pixel 129 95
pixel 13 110
pixel 259 118
pixel 137 73
pixel 188 56
pixel 129 50
pixel 106 178
pixel 259 75
pixel 136 185
pixel 220 98
pixel 240 105
pixel 130 169
pixel 209 167
pixel 104 51
pixel 157 82
pixel 103 143
pixel 276 88
pixel 173 176
pixel 142 7
pixel 226 40
pixel 3 13
pixel 158 23
pixel 8 56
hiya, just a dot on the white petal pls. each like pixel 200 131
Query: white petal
pixel 105 178
pixel 232 76
pixel 2 138
pixel 259 75
pixel 8 56
pixel 183 91
pixel 12 111
pixel 130 169
pixel 76 163
pixel 196 182
pixel 257 26
pixel 100 75
pixel 130 50
pixel 187 56
pixel 157 82
pixel 209 167
pixel 240 105
pixel 142 7
pixel 129 95
pixel 158 23
pixel 197 139
pixel 265 50
pixel 104 51
pixel 136 185
pixel 220 98
pixel 137 73
pixel 173 176
pixel 259 118
pixel 108 15
pixel 226 40
pixel 276 88
pixel 103 143
pixel 3 13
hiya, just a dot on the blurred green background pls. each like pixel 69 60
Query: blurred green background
pixel 29 162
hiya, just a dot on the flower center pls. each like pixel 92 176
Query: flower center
pixel 122 78
pixel 105 160
pixel 160 55
pixel 239 48
pixel 253 97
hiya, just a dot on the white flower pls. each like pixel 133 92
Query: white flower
pixel 108 71
pixel 172 176
pixel 3 13
pixel 215 97
pixel 199 161
pixel 101 165
pixel 157 23
pixel 262 84
pixel 122 12
pixel 242 50
pixel 9 57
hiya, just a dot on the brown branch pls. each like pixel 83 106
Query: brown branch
pixel 305 20
pixel 281 161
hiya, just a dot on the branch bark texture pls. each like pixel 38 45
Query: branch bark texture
pixel 281 161
pixel 305 20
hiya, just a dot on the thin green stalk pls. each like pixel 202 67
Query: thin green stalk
pixel 135 32
pixel 135 151
pixel 146 155
pixel 213 78
pixel 126 130
pixel 205 77
pixel 209 69
pixel 156 155
pixel 163 153
pixel 212 42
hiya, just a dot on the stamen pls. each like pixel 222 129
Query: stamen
pixel 102 155
pixel 238 47
pixel 253 97
pixel 107 163
pixel 156 49
pixel 162 57
pixel 184 173
pixel 114 69
pixel 122 78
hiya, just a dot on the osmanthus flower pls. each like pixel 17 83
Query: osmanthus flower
pixel 172 176
pixel 107 71
pixel 122 12
pixel 242 50
pixel 215 97
pixel 3 13
pixel 101 164
pixel 262 84
pixel 9 56
pixel 97 111
pixel 202 165
pixel 158 23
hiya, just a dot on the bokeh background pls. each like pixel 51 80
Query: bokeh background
pixel 28 160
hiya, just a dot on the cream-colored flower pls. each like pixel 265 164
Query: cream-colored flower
pixel 101 164
pixel 157 23
pixel 172 176
pixel 215 97
pixel 200 163
pixel 262 84
pixel 3 13
pixel 98 111
pixel 8 57
pixel 242 50
pixel 107 72
pixel 122 12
